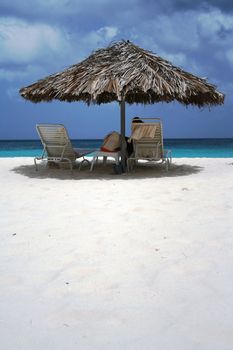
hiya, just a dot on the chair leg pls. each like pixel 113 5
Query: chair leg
pixel 129 165
pixel 167 164
pixel 71 165
pixel 35 164
pixel 128 169
pixel 95 159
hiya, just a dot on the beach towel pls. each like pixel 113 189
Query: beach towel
pixel 111 142
pixel 140 131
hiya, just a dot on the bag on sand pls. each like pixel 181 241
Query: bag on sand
pixel 111 142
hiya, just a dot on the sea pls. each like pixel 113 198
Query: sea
pixel 190 148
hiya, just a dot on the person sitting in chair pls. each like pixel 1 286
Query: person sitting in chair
pixel 137 120
pixel 129 143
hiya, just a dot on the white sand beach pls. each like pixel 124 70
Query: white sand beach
pixel 96 261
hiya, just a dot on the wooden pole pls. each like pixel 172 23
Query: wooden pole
pixel 123 150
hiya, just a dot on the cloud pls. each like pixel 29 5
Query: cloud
pixel 11 75
pixel 216 26
pixel 83 44
pixel 67 31
pixel 25 43
pixel 176 32
pixel 38 49
pixel 216 32
pixel 100 37
pixel 22 42
pixel 179 59
pixel 21 73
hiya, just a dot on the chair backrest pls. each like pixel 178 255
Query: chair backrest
pixel 148 146
pixel 56 141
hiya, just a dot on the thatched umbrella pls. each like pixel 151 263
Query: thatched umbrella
pixel 124 72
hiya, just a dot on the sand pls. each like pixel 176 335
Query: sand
pixel 96 261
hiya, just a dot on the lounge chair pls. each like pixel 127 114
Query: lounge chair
pixel 147 138
pixel 58 147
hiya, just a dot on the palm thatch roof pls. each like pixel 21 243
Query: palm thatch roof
pixel 124 71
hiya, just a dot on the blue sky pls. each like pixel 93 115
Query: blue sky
pixel 49 35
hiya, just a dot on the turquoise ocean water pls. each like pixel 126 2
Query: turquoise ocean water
pixel 210 148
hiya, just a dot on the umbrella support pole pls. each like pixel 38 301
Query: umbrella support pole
pixel 123 146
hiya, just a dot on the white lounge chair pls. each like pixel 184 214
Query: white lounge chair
pixel 58 147
pixel 147 138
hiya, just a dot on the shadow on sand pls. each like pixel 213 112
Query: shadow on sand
pixel 106 172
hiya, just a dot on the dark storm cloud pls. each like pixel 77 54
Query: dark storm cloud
pixel 167 6
pixel 84 12
pixel 188 33
pixel 223 5
pixel 185 32
pixel 89 13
